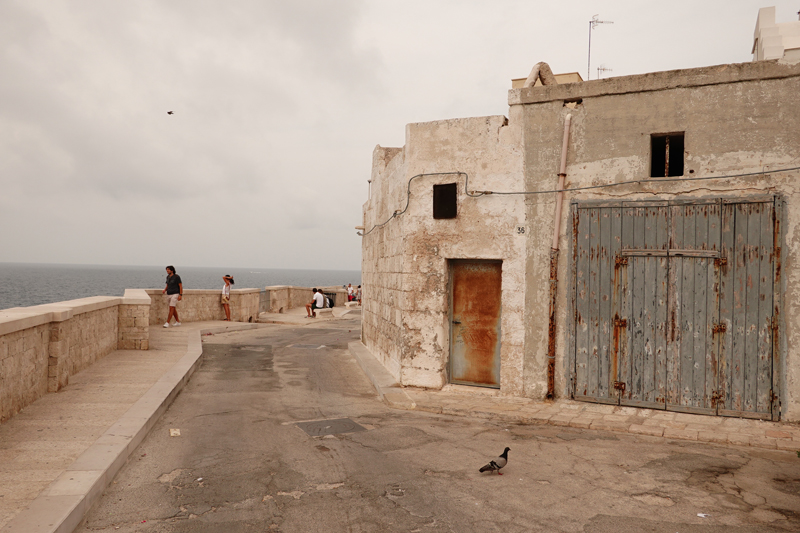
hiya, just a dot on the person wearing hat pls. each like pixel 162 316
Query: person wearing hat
pixel 226 296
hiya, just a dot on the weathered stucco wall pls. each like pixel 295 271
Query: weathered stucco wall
pixel 405 265
pixel 736 118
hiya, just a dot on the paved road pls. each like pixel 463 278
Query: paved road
pixel 241 464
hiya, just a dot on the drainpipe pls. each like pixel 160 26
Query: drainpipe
pixel 551 339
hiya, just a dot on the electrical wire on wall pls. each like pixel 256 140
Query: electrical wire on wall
pixel 478 194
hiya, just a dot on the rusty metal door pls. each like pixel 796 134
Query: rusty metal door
pixel 674 305
pixel 475 328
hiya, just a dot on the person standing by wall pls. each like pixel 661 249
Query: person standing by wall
pixel 350 290
pixel 226 296
pixel 174 292
pixel 358 294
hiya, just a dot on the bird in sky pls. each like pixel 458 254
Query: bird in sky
pixel 496 464
pixel 170 113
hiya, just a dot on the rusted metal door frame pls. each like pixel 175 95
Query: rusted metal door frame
pixel 778 339
pixel 451 264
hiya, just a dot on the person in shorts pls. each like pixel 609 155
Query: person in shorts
pixel 226 296
pixel 174 292
pixel 317 303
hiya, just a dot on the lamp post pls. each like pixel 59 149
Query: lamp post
pixel 592 23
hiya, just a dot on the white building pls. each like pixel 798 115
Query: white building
pixel 773 40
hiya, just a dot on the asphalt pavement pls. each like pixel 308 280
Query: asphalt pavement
pixel 279 429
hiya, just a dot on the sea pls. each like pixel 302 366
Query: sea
pixel 26 284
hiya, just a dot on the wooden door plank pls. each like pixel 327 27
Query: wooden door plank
pixel 661 283
pixel 751 312
pixel 635 387
pixel 582 304
pixel 702 331
pixel 618 332
pixel 712 308
pixel 594 289
pixel 606 260
pixel 739 263
pixel 648 297
pixel 626 289
pixel 687 314
pixel 765 311
pixel 675 303
pixel 726 304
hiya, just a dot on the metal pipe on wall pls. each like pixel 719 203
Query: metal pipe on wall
pixel 551 335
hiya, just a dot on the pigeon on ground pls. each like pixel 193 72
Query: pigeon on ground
pixel 496 464
pixel 170 112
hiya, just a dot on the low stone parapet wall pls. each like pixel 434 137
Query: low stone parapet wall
pixel 198 305
pixel 285 297
pixel 42 346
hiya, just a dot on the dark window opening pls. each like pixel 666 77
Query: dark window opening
pixel 444 200
pixel 666 155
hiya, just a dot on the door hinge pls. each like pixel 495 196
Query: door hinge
pixel 717 397
pixel 621 322
pixel 719 328
pixel 620 386
pixel 620 260
pixel 720 261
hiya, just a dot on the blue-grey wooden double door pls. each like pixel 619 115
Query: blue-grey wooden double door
pixel 675 305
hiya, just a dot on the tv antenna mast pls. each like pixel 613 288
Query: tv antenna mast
pixel 601 69
pixel 592 23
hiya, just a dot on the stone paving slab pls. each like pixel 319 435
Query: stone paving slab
pixel 459 401
pixel 59 453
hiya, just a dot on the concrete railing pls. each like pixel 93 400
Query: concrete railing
pixel 42 346
pixel 198 305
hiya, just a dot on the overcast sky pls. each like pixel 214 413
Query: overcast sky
pixel 277 105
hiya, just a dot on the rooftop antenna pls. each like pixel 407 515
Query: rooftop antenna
pixel 602 68
pixel 592 23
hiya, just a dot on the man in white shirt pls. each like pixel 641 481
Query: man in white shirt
pixel 317 303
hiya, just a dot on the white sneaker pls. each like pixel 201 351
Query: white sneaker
pixel 166 324
pixel 176 324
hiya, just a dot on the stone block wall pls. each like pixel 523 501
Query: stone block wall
pixel 80 341
pixel 23 368
pixel 284 297
pixel 382 260
pixel 199 305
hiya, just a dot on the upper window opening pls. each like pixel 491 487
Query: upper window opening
pixel 445 203
pixel 666 155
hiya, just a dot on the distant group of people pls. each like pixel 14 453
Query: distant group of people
pixel 174 292
pixel 320 301
pixel 353 294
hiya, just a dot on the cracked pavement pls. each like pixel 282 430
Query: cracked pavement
pixel 241 464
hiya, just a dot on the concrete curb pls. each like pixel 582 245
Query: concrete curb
pixel 390 391
pixel 60 508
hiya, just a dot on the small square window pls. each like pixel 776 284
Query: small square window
pixel 666 155
pixel 445 203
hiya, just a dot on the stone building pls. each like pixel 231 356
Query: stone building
pixel 670 282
